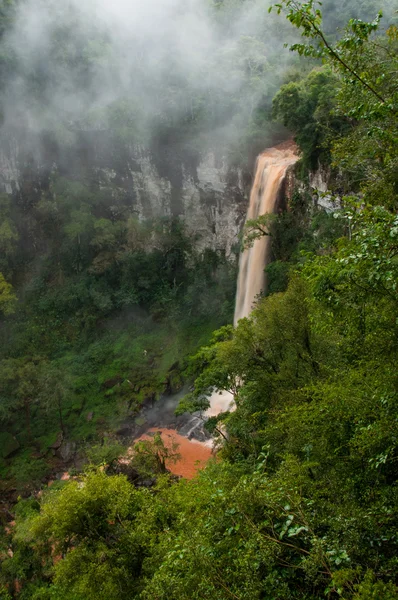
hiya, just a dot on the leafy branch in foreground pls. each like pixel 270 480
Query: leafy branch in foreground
pixel 361 135
pixel 257 228
pixel 308 18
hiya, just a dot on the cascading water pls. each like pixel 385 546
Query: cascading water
pixel 271 169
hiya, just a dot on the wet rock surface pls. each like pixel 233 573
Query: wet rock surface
pixel 161 414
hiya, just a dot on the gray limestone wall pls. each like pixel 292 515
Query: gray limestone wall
pixel 207 193
pixel 211 199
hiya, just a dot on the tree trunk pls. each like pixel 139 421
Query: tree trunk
pixel 27 418
pixel 61 422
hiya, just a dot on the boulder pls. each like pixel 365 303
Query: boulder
pixel 67 451
pixel 57 444
pixel 8 444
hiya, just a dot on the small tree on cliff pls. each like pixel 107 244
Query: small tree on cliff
pixel 7 297
pixel 19 388
pixel 150 456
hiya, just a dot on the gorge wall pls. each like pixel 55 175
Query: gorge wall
pixel 164 179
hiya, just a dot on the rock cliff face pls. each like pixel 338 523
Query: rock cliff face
pixel 319 184
pixel 10 174
pixel 160 181
pixel 210 196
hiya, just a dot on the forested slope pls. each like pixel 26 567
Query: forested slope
pixel 301 501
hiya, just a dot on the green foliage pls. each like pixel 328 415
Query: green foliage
pixel 115 304
pixel 307 108
pixel 302 229
pixel 105 453
pixel 371 589
pixel 19 379
pixel 315 393
pixel 92 523
pixel 150 456
pixel 301 502
pixel 7 297
pixel 356 119
pixel 257 228
pixel 27 473
pixel 367 260
pixel 8 444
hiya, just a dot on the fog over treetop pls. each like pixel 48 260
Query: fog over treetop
pixel 92 63
pixel 138 65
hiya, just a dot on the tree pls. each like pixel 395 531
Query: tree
pixel 150 457
pixel 8 231
pixel 55 385
pixel 8 298
pixel 308 107
pixel 91 523
pixel 19 384
pixel 308 18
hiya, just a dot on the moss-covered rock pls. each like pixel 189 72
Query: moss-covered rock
pixel 8 444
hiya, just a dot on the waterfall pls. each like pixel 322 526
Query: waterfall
pixel 270 172
pixel 271 169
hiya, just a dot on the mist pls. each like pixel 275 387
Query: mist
pixel 130 72
pixel 141 67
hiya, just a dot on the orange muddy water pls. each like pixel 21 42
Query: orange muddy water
pixel 194 454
